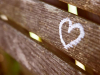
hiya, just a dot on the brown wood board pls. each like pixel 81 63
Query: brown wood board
pixel 88 5
pixel 32 55
pixel 44 20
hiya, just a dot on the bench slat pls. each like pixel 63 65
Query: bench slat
pixel 44 20
pixel 89 5
pixel 32 55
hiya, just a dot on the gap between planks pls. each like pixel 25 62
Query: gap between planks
pixel 88 5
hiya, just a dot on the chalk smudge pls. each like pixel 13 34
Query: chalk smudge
pixel 51 8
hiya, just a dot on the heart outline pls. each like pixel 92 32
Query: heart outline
pixel 71 27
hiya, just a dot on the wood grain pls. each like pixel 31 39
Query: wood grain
pixel 32 55
pixel 88 5
pixel 44 19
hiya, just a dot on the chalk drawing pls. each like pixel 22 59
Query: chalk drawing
pixel 71 27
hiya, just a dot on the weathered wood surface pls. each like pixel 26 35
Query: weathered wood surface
pixel 44 20
pixel 32 55
pixel 89 5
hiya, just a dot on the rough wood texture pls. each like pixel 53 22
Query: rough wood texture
pixel 89 5
pixel 43 19
pixel 32 55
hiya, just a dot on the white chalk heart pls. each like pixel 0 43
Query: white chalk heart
pixel 71 27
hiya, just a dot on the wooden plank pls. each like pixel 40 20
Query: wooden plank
pixel 32 55
pixel 38 17
pixel 89 5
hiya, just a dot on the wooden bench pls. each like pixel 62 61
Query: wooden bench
pixel 64 37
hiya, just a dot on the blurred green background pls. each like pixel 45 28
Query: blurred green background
pixel 9 66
